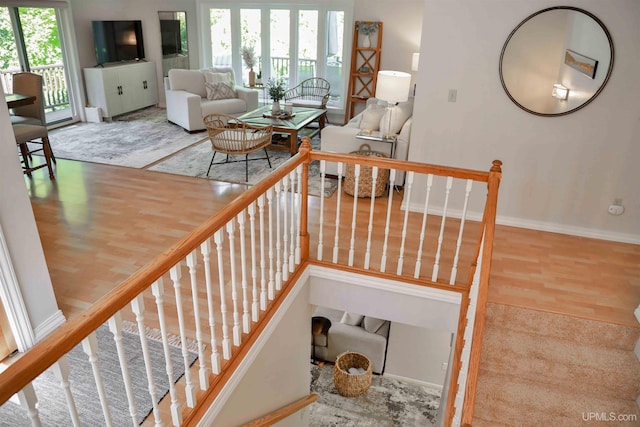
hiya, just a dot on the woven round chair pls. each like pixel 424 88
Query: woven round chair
pixel 236 138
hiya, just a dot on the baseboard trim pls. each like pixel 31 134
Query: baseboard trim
pixel 413 381
pixel 550 227
pixel 51 324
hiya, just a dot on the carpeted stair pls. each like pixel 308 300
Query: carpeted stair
pixel 545 369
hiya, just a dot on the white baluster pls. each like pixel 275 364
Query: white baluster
pixel 29 402
pixel 374 178
pixel 255 306
pixel 263 263
pixel 176 274
pixel 456 258
pixel 336 238
pixel 285 230
pixel 157 289
pixel 323 166
pixel 292 216
pixel 192 262
pixel 218 237
pixel 425 211
pixel 298 213
pixel 278 236
pixel 61 371
pixel 237 334
pixel 246 317
pixel 352 242
pixel 406 220
pixel 205 250
pixel 383 260
pixel 115 326
pixel 272 280
pixel 90 347
pixel 436 264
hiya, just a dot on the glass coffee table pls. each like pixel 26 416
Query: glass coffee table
pixel 289 126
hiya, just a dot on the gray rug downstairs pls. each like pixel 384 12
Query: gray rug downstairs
pixel 134 140
pixel 53 406
pixel 195 160
pixel 388 402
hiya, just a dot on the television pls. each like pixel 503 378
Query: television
pixel 117 41
pixel 170 33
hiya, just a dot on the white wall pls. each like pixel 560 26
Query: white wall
pixel 280 373
pixel 21 234
pixel 560 173
pixel 417 353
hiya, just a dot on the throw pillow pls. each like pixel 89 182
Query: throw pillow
pixel 371 117
pixel 210 77
pixel 222 90
pixel 399 114
pixel 351 319
pixel 371 324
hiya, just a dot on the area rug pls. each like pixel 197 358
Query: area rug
pixel 53 406
pixel 195 160
pixel 134 140
pixel 388 402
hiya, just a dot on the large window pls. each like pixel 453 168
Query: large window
pixel 292 42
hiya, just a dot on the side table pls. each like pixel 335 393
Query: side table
pixel 319 327
pixel 375 135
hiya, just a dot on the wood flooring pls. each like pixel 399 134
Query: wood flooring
pixel 100 223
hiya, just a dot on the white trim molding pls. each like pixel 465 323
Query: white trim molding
pixel 51 324
pixel 414 381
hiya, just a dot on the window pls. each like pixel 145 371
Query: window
pixel 292 41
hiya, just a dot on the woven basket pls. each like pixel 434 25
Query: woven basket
pixel 365 181
pixel 352 385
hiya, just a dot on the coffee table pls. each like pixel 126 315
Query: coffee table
pixel 301 118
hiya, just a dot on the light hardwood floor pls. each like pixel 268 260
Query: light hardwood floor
pixel 100 223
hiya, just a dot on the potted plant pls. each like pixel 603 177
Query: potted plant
pixel 249 58
pixel 365 29
pixel 276 93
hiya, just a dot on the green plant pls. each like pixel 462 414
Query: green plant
pixel 367 29
pixel 249 56
pixel 276 89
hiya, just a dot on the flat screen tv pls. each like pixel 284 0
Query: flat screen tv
pixel 117 41
pixel 170 32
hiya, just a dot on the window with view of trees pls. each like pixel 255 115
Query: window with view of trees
pixel 291 42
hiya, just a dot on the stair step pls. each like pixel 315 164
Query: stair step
pixel 505 400
pixel 561 364
pixel 566 328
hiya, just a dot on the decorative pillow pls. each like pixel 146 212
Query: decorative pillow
pixel 371 324
pixel 222 90
pixel 351 319
pixel 371 117
pixel 399 114
pixel 210 77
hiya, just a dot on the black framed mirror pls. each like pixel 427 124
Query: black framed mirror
pixel 556 61
pixel 173 36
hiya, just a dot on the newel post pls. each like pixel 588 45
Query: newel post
pixel 304 151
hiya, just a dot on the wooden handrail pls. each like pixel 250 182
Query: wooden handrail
pixel 284 412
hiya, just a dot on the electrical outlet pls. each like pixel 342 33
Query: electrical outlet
pixel 616 209
pixel 453 95
pixel 445 366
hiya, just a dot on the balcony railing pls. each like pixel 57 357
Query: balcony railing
pixel 54 85
pixel 232 273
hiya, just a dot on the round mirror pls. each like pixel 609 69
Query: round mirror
pixel 556 61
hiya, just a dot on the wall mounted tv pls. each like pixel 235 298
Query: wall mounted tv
pixel 117 41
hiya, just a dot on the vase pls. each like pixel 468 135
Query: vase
pixel 366 41
pixel 275 108
pixel 252 78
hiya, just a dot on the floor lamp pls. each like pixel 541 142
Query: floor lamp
pixel 393 87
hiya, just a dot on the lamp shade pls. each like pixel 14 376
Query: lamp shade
pixel 415 61
pixel 393 86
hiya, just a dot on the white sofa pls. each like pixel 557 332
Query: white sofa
pixel 342 139
pixel 187 103
pixel 362 334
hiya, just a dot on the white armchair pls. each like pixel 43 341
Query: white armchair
pixel 193 94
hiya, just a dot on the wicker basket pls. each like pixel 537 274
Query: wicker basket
pixel 352 385
pixel 365 181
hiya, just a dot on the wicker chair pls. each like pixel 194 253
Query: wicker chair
pixel 310 93
pixel 237 138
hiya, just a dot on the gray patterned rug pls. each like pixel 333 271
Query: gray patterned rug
pixel 134 140
pixel 388 402
pixel 53 406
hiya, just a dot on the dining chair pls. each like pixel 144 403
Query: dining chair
pixel 237 138
pixel 29 123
